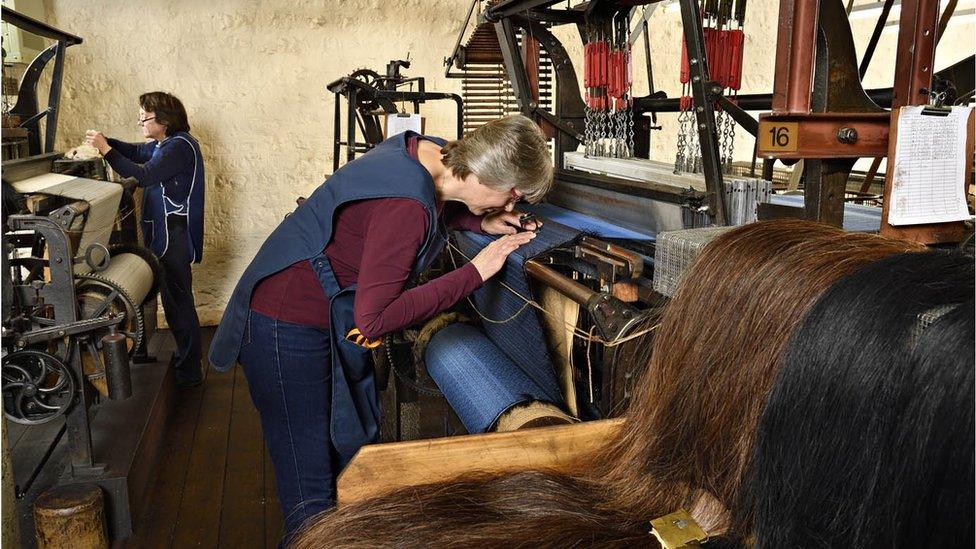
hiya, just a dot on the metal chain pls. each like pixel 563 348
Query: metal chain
pixel 630 124
pixel 731 130
pixel 679 156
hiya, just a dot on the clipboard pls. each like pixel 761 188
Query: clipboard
pixel 928 233
pixel 395 123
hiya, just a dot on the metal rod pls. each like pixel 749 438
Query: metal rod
pixel 705 115
pixel 562 284
pixel 875 36
pixel 803 48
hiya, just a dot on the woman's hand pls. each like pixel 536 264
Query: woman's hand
pixel 97 139
pixel 491 258
pixel 506 223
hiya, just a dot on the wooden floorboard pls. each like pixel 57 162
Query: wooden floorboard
pixel 214 486
pixel 202 492
pixel 242 506
pixel 156 528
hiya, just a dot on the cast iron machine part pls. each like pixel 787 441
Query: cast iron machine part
pixel 368 96
pixel 58 343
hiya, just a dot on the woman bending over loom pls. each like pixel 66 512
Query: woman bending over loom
pixel 339 273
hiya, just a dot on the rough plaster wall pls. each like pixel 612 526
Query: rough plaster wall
pixel 253 74
pixel 253 77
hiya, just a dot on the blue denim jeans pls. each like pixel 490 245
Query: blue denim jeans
pixel 289 373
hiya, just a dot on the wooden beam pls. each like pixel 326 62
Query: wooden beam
pixel 381 468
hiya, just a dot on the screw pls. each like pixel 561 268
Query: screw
pixel 694 61
pixel 847 135
pixel 702 126
pixel 700 109
pixel 696 79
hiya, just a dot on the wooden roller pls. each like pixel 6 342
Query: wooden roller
pixel 71 516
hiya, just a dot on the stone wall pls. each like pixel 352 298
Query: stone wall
pixel 253 74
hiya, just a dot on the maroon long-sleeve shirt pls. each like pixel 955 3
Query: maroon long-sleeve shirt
pixel 374 244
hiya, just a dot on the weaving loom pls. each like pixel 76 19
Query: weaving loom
pixel 509 322
pixel 102 198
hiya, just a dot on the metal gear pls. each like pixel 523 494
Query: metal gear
pixel 37 387
pixel 96 296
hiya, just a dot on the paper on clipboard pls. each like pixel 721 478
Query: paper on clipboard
pixel 401 122
pixel 929 167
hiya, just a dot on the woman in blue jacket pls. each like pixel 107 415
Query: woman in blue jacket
pixel 169 168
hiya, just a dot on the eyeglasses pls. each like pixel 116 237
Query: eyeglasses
pixel 142 121
pixel 514 196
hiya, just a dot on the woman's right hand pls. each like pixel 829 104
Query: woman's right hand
pixel 491 258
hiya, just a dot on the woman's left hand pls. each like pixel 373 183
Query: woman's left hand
pixel 506 223
pixel 97 139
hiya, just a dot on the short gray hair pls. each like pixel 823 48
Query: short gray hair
pixel 504 153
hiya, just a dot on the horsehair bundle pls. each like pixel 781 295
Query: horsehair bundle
pixel 693 429
pixel 689 428
pixel 866 439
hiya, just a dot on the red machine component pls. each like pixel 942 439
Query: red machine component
pixel 723 58
pixel 736 43
pixel 685 67
pixel 710 48
pixel 685 102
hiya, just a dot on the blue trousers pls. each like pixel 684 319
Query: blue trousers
pixel 289 373
pixel 176 292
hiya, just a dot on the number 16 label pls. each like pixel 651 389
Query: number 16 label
pixel 777 137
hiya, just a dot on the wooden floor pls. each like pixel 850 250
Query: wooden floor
pixel 214 486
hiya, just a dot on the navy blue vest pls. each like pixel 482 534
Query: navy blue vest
pixel 182 195
pixel 385 172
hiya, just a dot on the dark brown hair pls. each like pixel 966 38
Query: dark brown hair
pixel 167 109
pixel 689 429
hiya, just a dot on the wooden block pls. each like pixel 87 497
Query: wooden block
pixel 382 468
pixel 625 291
pixel 71 516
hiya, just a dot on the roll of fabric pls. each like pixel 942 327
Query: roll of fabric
pixel 510 324
pixel 103 198
pixel 478 380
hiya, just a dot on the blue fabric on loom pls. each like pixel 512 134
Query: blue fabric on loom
pixel 521 337
pixel 584 223
pixel 476 377
pixel 857 217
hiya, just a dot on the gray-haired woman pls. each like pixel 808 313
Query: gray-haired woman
pixel 337 274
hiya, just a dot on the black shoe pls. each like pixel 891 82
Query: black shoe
pixel 187 383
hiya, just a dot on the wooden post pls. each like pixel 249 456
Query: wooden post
pixel 71 516
pixel 11 526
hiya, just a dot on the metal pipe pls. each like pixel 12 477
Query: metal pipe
pixel 916 51
pixel 803 52
pixel 115 356
pixel 562 284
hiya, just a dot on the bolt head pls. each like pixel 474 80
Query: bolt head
pixel 847 135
